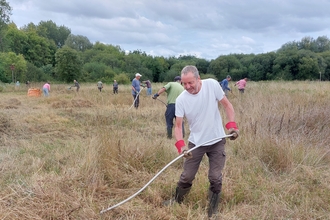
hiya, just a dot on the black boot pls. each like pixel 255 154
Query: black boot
pixel 169 133
pixel 214 199
pixel 179 196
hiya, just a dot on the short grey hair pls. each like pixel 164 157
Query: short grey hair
pixel 190 69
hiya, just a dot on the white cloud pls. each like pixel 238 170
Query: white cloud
pixel 173 28
pixel 248 40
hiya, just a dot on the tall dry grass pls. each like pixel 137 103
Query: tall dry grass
pixel 70 155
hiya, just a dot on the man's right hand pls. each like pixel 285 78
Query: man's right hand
pixel 155 96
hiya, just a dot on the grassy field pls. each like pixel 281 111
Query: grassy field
pixel 71 155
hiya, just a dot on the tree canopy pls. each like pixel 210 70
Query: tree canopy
pixel 52 52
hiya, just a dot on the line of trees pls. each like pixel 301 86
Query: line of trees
pixel 47 51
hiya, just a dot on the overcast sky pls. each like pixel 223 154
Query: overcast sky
pixel 203 28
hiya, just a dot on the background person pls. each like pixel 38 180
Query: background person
pixel 241 85
pixel 136 90
pixel 224 85
pixel 149 89
pixel 46 89
pixel 115 87
pixel 100 85
pixel 173 90
pixel 76 84
pixel 199 104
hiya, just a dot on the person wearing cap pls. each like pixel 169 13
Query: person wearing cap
pixel 136 89
pixel 224 85
pixel 173 90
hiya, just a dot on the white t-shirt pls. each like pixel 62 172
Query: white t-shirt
pixel 202 113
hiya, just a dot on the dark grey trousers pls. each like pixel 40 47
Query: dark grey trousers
pixel 217 158
pixel 136 99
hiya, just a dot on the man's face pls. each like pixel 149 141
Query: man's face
pixel 190 83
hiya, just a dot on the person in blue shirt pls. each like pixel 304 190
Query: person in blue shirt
pixel 136 90
pixel 224 85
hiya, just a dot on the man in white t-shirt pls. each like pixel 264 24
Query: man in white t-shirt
pixel 199 104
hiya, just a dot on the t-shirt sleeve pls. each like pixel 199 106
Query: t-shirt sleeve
pixel 167 86
pixel 219 94
pixel 179 110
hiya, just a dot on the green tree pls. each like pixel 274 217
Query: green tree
pixel 322 44
pixel 94 71
pixel 225 65
pixel 309 66
pixel 5 12
pixel 308 69
pixel 132 63
pixel 160 67
pixel 39 50
pixel 122 78
pixel 68 64
pixel 325 72
pixel 307 43
pixel 110 55
pixel 18 62
pixel 17 40
pixel 285 64
pixel 202 65
pixel 78 42
pixel 50 30
pixel 175 70
pixel 30 27
pixel 263 64
pixel 35 74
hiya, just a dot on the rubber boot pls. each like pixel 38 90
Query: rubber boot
pixel 169 133
pixel 214 199
pixel 179 196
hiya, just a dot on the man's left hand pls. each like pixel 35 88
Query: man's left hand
pixel 234 133
pixel 232 127
pixel 185 153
